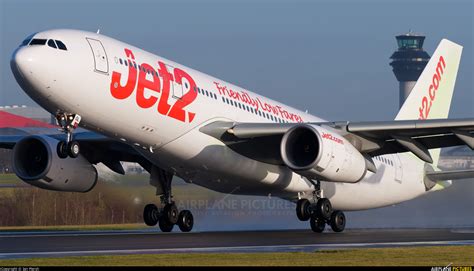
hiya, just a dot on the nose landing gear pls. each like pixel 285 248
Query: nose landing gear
pixel 68 122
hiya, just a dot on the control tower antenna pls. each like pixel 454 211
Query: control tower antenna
pixel 408 62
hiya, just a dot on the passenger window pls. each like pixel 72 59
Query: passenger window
pixel 61 45
pixel 120 60
pixel 38 42
pixel 52 44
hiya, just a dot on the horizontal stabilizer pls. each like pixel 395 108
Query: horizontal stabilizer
pixel 450 175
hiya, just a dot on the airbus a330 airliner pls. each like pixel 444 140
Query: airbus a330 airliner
pixel 135 106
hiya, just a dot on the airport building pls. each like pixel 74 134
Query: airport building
pixel 456 158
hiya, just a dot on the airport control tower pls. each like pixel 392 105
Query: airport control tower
pixel 408 62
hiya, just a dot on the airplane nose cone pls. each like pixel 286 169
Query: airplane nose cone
pixel 21 62
pixel 26 67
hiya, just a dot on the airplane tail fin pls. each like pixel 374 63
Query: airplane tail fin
pixel 431 96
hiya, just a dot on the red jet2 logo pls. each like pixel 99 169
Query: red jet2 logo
pixel 175 110
pixel 425 105
pixel 333 138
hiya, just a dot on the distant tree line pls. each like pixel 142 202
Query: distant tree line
pixel 5 161
pixel 105 204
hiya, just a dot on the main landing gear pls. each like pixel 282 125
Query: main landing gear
pixel 169 215
pixel 68 122
pixel 319 214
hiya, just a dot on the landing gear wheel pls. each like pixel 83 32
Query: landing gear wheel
pixel 164 225
pixel 171 213
pixel 73 149
pixel 185 221
pixel 324 208
pixel 62 149
pixel 151 215
pixel 302 209
pixel 337 221
pixel 317 224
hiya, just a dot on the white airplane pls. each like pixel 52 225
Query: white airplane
pixel 176 121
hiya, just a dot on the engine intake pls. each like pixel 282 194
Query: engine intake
pixel 36 162
pixel 318 153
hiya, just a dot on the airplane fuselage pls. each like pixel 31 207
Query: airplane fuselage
pixel 158 106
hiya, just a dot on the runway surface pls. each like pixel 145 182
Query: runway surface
pixel 73 243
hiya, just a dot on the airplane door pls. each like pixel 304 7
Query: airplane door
pixel 101 64
pixel 174 87
pixel 398 168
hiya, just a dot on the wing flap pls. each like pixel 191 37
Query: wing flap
pixel 412 128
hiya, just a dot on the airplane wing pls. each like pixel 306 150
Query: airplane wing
pixel 450 175
pixel 261 141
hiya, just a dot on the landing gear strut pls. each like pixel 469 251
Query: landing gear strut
pixel 68 122
pixel 320 213
pixel 169 215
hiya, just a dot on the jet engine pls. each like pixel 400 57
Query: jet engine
pixel 35 161
pixel 319 153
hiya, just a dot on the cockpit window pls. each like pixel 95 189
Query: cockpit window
pixel 38 42
pixel 61 45
pixel 27 40
pixel 52 44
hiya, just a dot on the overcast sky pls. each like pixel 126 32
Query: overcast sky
pixel 330 57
